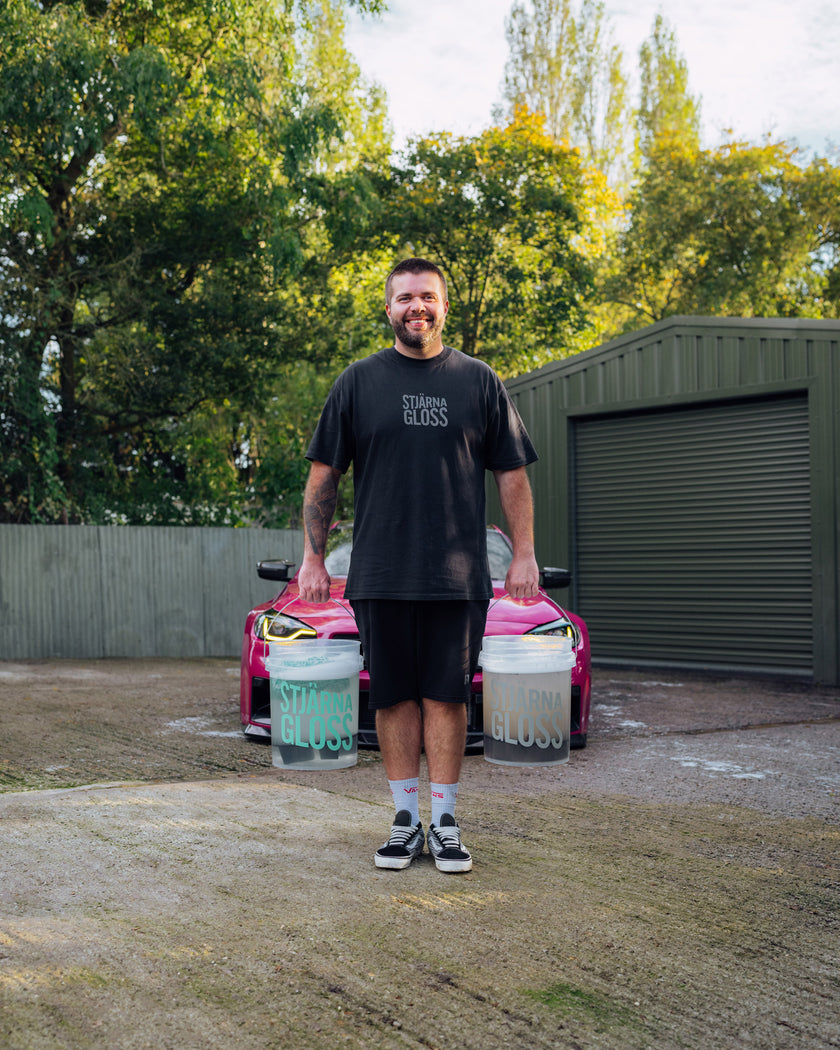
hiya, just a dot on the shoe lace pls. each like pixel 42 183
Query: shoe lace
pixel 400 835
pixel 450 837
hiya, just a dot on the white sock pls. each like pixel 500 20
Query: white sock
pixel 404 794
pixel 443 801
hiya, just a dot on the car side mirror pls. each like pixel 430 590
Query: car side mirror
pixel 275 570
pixel 551 578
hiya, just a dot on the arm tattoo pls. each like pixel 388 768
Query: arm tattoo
pixel 318 510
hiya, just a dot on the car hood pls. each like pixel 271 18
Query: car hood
pixel 505 615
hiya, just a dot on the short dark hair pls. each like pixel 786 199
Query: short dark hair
pixel 414 266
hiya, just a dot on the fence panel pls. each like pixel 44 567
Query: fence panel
pixel 84 591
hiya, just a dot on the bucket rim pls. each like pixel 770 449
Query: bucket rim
pixel 527 642
pixel 335 644
pixel 526 663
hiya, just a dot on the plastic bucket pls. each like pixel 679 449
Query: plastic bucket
pixel 314 696
pixel 527 699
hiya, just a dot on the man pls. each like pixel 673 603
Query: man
pixel 420 422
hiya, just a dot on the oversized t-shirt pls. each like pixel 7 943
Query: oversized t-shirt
pixel 420 435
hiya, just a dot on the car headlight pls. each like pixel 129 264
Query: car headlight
pixel 273 626
pixel 558 629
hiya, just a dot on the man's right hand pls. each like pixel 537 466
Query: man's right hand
pixel 318 509
pixel 314 582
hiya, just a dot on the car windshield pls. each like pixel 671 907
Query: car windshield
pixel 499 554
pixel 340 546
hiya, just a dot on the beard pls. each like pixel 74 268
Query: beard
pixel 418 340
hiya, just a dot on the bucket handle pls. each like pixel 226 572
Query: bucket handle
pixel 335 601
pixel 346 608
pixel 496 602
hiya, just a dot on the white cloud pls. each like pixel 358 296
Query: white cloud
pixel 761 66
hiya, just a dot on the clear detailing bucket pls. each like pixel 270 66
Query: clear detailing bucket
pixel 314 703
pixel 527 699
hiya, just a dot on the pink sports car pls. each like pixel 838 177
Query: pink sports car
pixel 287 617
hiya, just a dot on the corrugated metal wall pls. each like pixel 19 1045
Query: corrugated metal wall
pixel 700 362
pixel 89 591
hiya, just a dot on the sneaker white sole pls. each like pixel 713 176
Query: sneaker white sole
pixel 392 863
pixel 453 866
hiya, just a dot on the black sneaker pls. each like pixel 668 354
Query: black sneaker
pixel 445 846
pixel 405 843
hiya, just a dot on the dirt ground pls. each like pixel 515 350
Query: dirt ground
pixel 676 884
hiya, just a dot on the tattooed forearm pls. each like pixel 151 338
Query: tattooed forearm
pixel 319 506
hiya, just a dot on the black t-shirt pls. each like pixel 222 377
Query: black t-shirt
pixel 420 435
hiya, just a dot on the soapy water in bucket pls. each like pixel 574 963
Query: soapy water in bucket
pixel 314 695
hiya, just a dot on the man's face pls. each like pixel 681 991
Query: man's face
pixel 417 309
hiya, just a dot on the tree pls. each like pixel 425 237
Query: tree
pixel 821 201
pixel 505 214
pixel 160 177
pixel 728 232
pixel 570 70
pixel 668 112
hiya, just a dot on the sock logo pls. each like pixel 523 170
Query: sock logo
pixel 410 791
pixel 437 794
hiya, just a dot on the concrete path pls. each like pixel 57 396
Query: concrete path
pixel 676 884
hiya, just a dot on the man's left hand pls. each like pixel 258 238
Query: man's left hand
pixel 523 577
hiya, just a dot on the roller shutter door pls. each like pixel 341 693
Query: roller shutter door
pixel 693 536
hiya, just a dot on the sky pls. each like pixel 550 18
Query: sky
pixel 760 66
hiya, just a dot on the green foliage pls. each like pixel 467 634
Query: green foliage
pixel 738 230
pixel 569 69
pixel 504 215
pixel 278 438
pixel 198 210
pixel 162 179
pixel 820 199
pixel 725 232
pixel 668 112
pixel 569 1001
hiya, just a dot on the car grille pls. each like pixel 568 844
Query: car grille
pixel 260 699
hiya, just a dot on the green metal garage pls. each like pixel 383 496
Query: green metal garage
pixel 688 477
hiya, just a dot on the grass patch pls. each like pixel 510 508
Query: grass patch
pixel 569 1001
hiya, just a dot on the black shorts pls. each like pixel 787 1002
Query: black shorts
pixel 417 649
